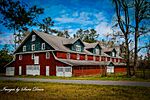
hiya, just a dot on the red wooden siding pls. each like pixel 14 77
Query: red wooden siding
pixel 108 58
pixel 87 70
pixel 43 62
pixel 61 55
pixel 120 69
pixel 97 58
pixel 113 59
pixel 73 56
pixel 90 57
pixel 82 57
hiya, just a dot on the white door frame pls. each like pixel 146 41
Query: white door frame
pixel 20 70
pixel 47 70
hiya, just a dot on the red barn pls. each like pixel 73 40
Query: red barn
pixel 44 54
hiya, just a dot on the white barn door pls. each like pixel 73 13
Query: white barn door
pixel 33 70
pixel 47 71
pixel 10 71
pixel 64 71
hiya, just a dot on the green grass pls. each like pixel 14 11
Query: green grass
pixel 73 91
pixel 117 77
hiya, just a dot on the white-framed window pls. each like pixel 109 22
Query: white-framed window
pixel 43 46
pixel 32 56
pixel 86 57
pixel 78 56
pixel 97 51
pixel 47 55
pixel 33 47
pixel 78 48
pixel 113 54
pixel 24 48
pixel 68 55
pixel 33 37
pixel 20 57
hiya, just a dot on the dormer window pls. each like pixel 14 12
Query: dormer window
pixel 78 48
pixel 33 37
pixel 68 55
pixel 97 51
pixel 113 54
pixel 24 48
pixel 33 47
pixel 43 46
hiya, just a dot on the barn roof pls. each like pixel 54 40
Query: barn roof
pixel 82 62
pixel 90 45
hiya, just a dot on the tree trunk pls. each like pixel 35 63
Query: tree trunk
pixel 127 57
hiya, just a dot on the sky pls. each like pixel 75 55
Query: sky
pixel 72 15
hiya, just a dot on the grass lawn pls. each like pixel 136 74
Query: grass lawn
pixel 73 91
pixel 117 77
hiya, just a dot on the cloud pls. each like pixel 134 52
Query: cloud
pixel 84 18
pixel 7 39
pixel 103 28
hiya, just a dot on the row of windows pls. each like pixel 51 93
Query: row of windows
pixel 95 58
pixel 33 55
pixel 33 47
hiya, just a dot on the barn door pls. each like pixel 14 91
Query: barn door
pixel 64 71
pixel 47 71
pixel 10 71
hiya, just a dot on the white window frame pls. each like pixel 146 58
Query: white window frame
pixel 78 48
pixel 97 51
pixel 78 56
pixel 94 58
pixel 86 57
pixel 32 56
pixel 33 47
pixel 68 55
pixel 43 46
pixel 47 55
pixel 113 54
pixel 24 48
pixel 33 37
pixel 20 57
pixel 99 58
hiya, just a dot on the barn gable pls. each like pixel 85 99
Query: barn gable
pixel 38 44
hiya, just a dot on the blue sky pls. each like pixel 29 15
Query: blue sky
pixel 72 15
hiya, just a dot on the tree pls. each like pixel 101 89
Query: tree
pixel 17 15
pixel 89 36
pixel 46 24
pixel 122 9
pixel 64 33
pixel 5 57
pixel 141 16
